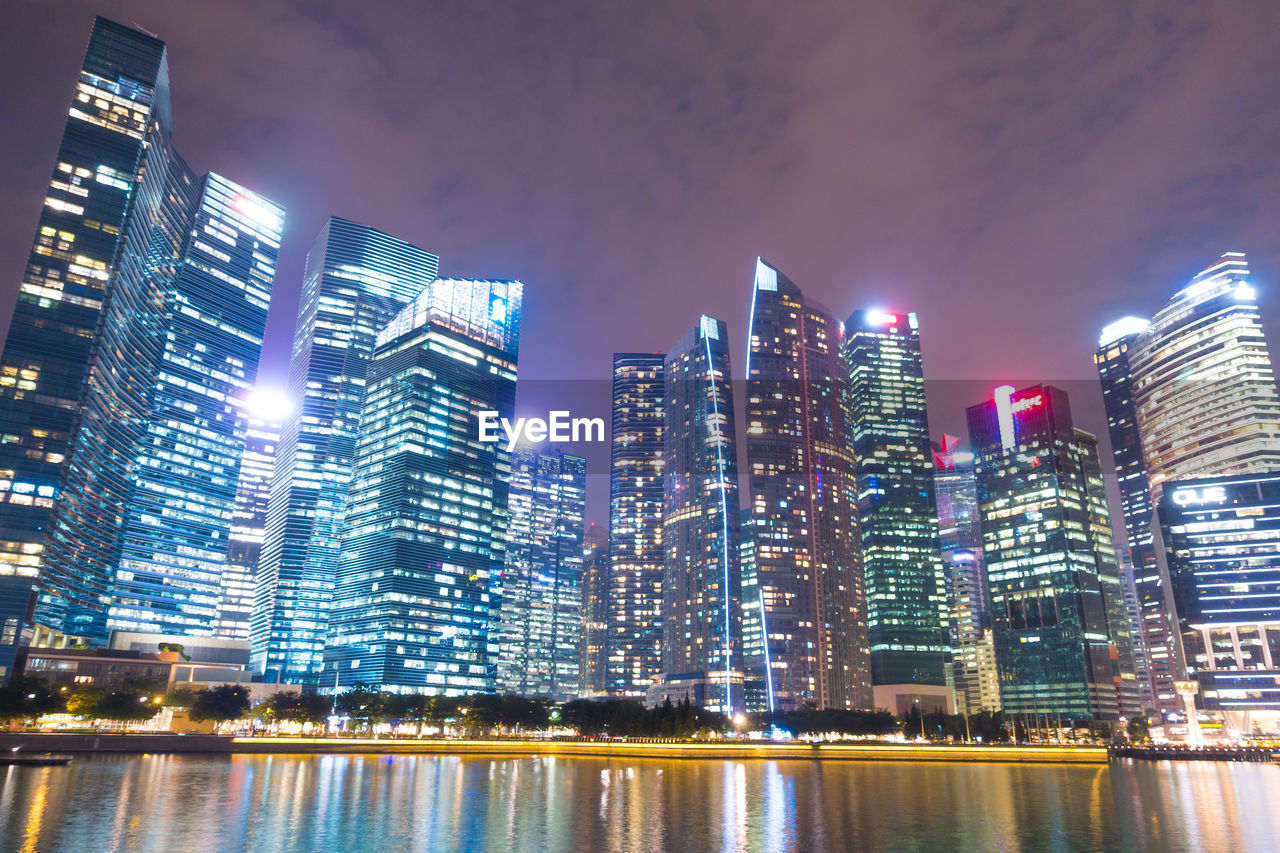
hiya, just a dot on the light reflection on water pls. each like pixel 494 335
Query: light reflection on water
pixel 391 803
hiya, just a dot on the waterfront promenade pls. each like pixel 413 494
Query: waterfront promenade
pixel 634 748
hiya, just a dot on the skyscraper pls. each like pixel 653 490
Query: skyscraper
pixel 634 585
pixel 414 610
pixel 541 622
pixel 1190 395
pixel 701 585
pixel 121 93
pixel 905 590
pixel 265 411
pixel 1203 384
pixel 973 654
pixel 595 615
pixel 356 280
pixel 1113 360
pixel 175 528
pixel 1050 559
pixel 807 578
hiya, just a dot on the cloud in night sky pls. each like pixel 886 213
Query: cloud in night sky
pixel 1019 174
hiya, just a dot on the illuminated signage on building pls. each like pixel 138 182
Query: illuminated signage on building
pixel 1197 497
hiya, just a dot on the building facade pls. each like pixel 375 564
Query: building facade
pixel 415 608
pixel 120 95
pixel 595 615
pixel 636 556
pixel 357 279
pixel 701 586
pixel 1050 559
pixel 901 562
pixel 1221 544
pixel 542 618
pixel 973 654
pixel 809 607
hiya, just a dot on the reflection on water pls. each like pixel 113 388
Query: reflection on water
pixel 392 803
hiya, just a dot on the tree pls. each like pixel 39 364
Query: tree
pixel 26 697
pixel 297 707
pixel 1139 729
pixel 82 700
pixel 124 706
pixel 220 704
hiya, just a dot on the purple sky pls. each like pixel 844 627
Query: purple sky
pixel 1019 174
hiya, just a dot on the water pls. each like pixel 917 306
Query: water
pixel 317 804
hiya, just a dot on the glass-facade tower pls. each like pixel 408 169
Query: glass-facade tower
pixel 542 620
pixel 415 607
pixel 701 586
pixel 357 279
pixel 905 589
pixel 122 91
pixel 633 633
pixel 807 577
pixel 1050 560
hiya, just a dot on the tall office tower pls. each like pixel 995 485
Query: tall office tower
pixel 701 584
pixel 1221 542
pixel 414 609
pixel 595 615
pixel 1113 360
pixel 634 586
pixel 540 627
pixel 266 412
pixel 357 279
pixel 1050 558
pixel 122 91
pixel 804 488
pixel 901 564
pixel 1203 383
pixel 973 652
pixel 1133 609
pixel 174 531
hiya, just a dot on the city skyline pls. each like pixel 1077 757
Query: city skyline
pixel 1114 265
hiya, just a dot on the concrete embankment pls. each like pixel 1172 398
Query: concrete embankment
pixel 735 750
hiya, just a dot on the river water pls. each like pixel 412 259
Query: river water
pixel 318 804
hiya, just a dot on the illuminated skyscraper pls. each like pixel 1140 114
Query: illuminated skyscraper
pixel 249 519
pixel 121 94
pixel 1203 384
pixel 1190 395
pixel 634 585
pixel 973 653
pixel 541 622
pixel 1155 604
pixel 701 585
pixel 595 615
pixel 1056 596
pixel 175 529
pixel 357 279
pixel 414 610
pixel 905 590
pixel 807 578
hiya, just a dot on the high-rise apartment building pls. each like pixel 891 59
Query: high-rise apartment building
pixel 701 585
pixel 121 94
pixel 357 279
pixel 808 605
pixel 541 622
pixel 415 607
pixel 973 653
pixel 1051 569
pixel 905 590
pixel 636 557
pixel 266 412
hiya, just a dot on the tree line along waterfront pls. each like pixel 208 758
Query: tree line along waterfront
pixel 26 701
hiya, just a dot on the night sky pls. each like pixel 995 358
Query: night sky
pixel 1017 173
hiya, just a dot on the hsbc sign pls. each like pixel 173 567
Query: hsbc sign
pixel 1200 497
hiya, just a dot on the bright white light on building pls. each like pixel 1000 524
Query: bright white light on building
pixel 268 404
pixel 1122 328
